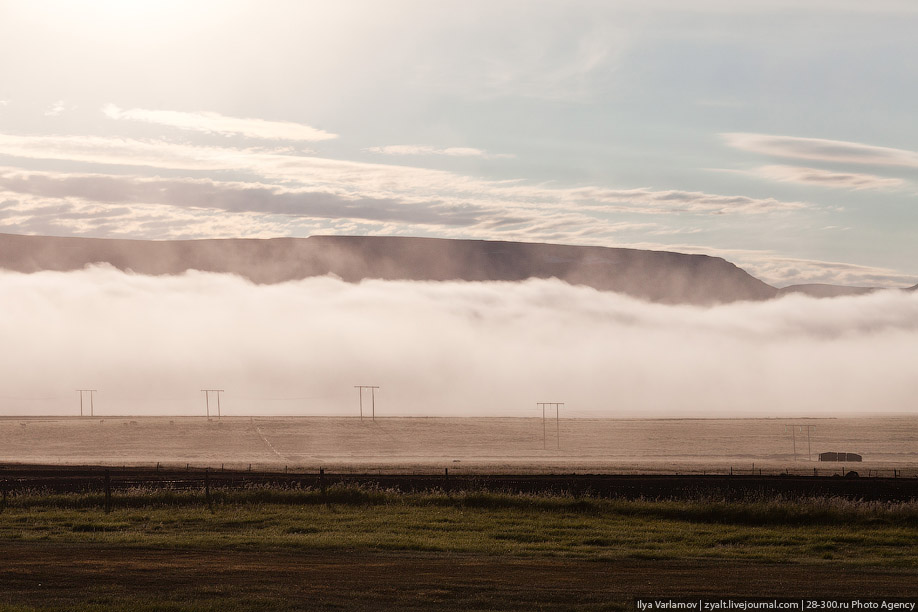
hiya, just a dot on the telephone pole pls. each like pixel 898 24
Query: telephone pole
pixel 557 406
pixel 372 389
pixel 809 447
pixel 794 438
pixel 207 393
pixel 91 392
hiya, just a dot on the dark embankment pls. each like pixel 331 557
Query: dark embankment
pixel 64 479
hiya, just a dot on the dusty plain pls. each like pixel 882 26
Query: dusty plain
pixel 505 445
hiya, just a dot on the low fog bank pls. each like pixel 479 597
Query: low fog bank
pixel 149 344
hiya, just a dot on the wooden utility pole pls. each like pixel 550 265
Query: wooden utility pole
pixel 557 406
pixel 544 425
pixel 91 392
pixel 372 389
pixel 207 393
pixel 809 446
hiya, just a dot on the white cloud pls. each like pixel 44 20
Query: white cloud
pixel 105 205
pixel 821 149
pixel 55 109
pixel 215 123
pixel 46 216
pixel 298 194
pixel 561 53
pixel 429 150
pixel 445 348
pixel 117 205
pixel 75 217
pixel 120 151
pixel 234 196
pixel 673 200
pixel 549 74
pixel 781 270
pixel 826 178
pixel 383 181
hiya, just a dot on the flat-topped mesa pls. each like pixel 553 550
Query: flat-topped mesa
pixel 657 276
pixel 652 275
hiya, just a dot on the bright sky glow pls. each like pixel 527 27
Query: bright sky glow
pixel 779 135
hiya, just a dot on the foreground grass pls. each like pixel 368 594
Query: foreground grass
pixel 785 531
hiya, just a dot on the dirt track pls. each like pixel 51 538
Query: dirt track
pixel 382 580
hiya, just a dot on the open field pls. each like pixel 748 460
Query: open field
pixel 406 536
pixel 503 445
pixel 369 549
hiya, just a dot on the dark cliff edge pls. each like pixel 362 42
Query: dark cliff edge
pixel 657 276
pixel 822 290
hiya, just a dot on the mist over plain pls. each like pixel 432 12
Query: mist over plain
pixel 149 344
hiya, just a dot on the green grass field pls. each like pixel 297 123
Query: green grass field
pixel 353 518
pixel 354 523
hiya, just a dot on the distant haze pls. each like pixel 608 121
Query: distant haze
pixel 149 344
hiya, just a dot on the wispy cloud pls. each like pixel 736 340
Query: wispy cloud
pixel 429 150
pixel 157 207
pixel 121 152
pixel 215 123
pixel 30 214
pixel 820 149
pixel 383 181
pixel 672 200
pixel 539 59
pixel 105 205
pixel 51 203
pixel 826 178
pixel 232 197
pixel 782 270
pixel 55 109
pixel 73 217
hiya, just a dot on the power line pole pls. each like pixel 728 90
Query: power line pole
pixel 91 407
pixel 557 406
pixel 372 389
pixel 558 423
pixel 809 446
pixel 544 442
pixel 207 393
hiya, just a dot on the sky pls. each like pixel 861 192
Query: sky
pixel 778 135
